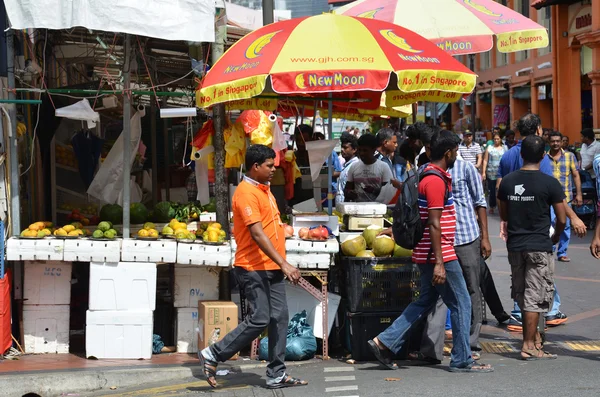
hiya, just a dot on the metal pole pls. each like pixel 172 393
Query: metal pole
pixel 267 10
pixel 126 140
pixel 15 205
pixel 154 151
pixel 330 162
pixel 221 186
pixel 166 145
pixel 473 97
pixel 314 121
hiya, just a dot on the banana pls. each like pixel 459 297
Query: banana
pixel 300 81
pixel 370 14
pixel 398 41
pixel 254 49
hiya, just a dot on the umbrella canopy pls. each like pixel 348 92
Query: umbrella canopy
pixel 457 26
pixel 330 53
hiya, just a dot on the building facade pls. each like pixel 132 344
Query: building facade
pixel 561 83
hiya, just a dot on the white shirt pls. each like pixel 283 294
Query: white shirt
pixel 369 179
pixel 588 152
pixel 419 155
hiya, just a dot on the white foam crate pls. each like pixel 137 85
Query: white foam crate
pixel 204 255
pixel 46 328
pixel 160 251
pixel 361 209
pixel 119 334
pixel 330 246
pixel 193 284
pixel 310 261
pixel 47 249
pixel 86 250
pixel 47 283
pixel 121 286
pixel 185 330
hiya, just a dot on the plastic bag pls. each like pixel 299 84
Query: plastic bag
pixel 301 343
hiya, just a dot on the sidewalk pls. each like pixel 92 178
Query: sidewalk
pixel 63 374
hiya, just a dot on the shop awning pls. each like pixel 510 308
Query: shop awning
pixel 522 92
pixel 188 20
pixel 545 3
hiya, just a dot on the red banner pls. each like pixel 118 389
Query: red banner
pixel 5 317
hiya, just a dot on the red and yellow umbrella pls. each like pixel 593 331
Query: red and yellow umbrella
pixel 457 26
pixel 331 53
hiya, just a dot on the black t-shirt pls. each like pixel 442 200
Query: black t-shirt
pixel 528 196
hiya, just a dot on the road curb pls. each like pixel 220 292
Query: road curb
pixel 62 382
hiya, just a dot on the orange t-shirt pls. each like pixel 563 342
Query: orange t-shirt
pixel 253 202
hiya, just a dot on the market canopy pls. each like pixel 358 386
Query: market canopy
pixel 319 55
pixel 190 20
pixel 457 26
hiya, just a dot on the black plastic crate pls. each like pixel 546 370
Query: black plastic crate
pixel 365 326
pixel 380 284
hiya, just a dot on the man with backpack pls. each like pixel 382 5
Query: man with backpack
pixel 441 274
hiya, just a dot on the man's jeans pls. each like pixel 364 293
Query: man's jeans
pixel 455 295
pixel 265 291
pixel 469 257
pixel 565 236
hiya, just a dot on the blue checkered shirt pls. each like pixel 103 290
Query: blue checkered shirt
pixel 467 189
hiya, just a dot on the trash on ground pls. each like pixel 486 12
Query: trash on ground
pixel 392 379
pixel 222 372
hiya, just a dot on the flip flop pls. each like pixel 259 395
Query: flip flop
pixel 475 368
pixel 287 381
pixel 209 368
pixel 537 355
pixel 420 357
pixel 564 259
pixel 381 355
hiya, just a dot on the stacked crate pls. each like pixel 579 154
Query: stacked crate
pixel 119 322
pixel 46 310
pixel 192 285
pixel 375 290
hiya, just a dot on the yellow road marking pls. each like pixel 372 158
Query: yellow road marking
pixel 583 345
pixel 497 347
pixel 162 389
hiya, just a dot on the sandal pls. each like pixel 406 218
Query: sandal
pixel 564 259
pixel 418 356
pixel 287 381
pixel 381 355
pixel 209 368
pixel 475 355
pixel 536 355
pixel 475 368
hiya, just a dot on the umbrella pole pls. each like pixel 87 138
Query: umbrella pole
pixel 15 206
pixel 330 162
pixel 314 121
pixel 126 139
pixel 221 187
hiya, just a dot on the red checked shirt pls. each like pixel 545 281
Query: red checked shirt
pixel 431 196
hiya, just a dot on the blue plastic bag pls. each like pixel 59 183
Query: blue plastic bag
pixel 301 343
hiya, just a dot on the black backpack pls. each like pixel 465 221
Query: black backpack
pixel 407 227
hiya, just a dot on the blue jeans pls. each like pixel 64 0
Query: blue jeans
pixel 565 236
pixel 553 311
pixel 455 295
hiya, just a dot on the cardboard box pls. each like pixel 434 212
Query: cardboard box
pixel 215 320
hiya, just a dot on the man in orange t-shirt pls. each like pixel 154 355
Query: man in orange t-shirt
pixel 260 268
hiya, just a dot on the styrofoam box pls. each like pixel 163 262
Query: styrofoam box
pixel 361 209
pixel 330 246
pixel 47 249
pixel 204 255
pixel 193 284
pixel 85 250
pixel 185 330
pixel 46 328
pixel 122 286
pixel 161 251
pixel 299 299
pixel 47 283
pixel 309 220
pixel 309 261
pixel 119 334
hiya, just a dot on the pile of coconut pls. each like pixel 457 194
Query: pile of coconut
pixel 372 245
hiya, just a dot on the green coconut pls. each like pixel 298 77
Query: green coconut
pixel 353 246
pixel 370 233
pixel 383 246
pixel 365 254
pixel 401 252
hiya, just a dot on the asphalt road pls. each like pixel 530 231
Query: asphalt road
pixel 576 372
